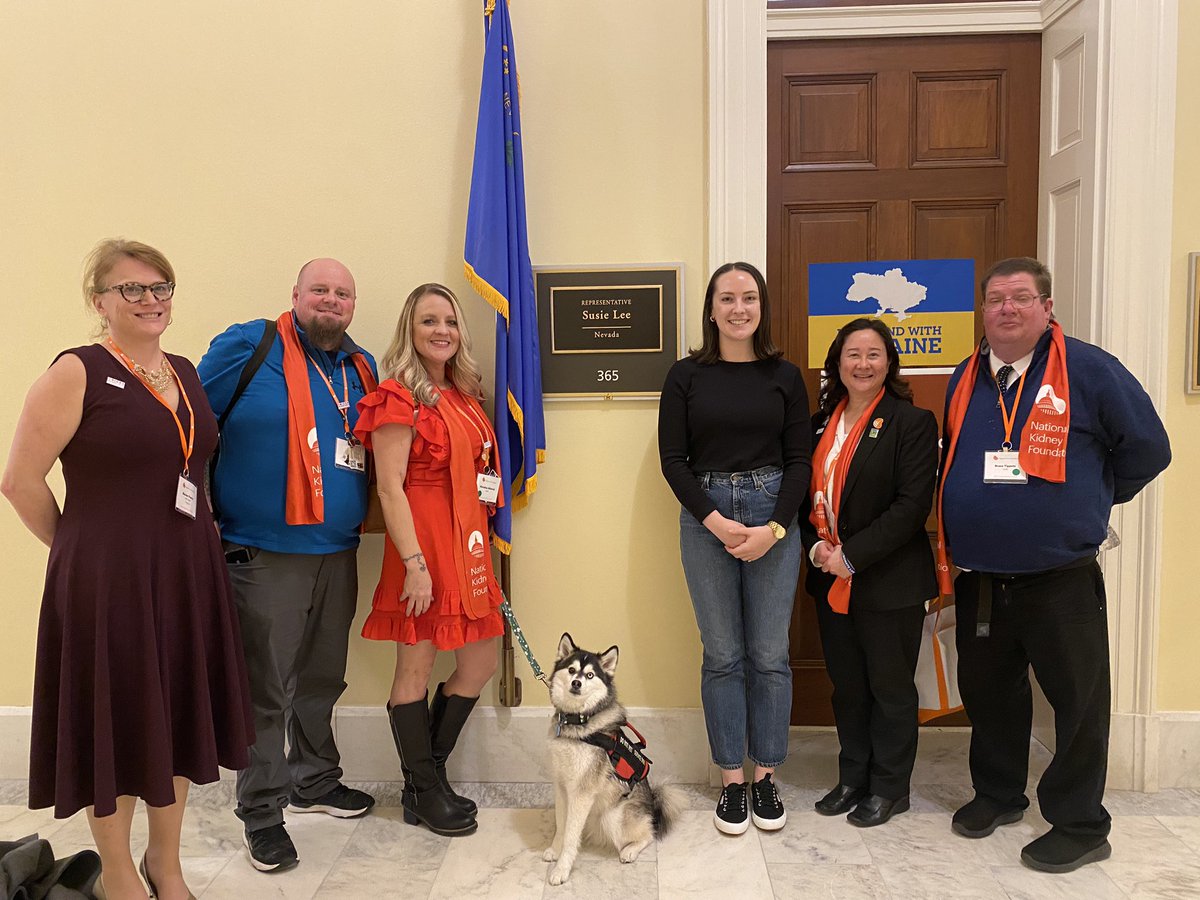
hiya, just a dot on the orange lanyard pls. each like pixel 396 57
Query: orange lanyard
pixel 484 433
pixel 186 445
pixel 1010 419
pixel 343 404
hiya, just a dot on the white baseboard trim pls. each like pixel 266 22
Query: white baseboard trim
pixel 1147 753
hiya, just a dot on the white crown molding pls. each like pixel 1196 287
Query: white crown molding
pixel 897 21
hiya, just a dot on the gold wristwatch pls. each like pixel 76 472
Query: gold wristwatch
pixel 776 529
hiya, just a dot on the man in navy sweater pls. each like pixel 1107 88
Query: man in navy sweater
pixel 1043 434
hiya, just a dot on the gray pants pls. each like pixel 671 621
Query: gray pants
pixel 295 611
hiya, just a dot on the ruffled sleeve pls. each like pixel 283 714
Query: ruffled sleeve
pixel 393 404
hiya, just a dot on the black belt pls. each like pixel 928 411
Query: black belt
pixel 983 616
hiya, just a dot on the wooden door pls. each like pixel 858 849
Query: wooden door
pixel 892 148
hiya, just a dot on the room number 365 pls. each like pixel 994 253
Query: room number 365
pixel 608 374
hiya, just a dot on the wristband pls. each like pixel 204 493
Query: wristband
pixel 846 563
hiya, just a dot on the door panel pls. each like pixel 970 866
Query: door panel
pixel 892 148
pixel 1070 172
pixel 1070 163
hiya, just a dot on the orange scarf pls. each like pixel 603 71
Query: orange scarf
pixel 472 551
pixel 1043 448
pixel 826 492
pixel 305 501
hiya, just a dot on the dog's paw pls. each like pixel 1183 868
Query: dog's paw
pixel 559 874
pixel 630 854
pixel 549 854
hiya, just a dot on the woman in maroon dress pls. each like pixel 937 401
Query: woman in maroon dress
pixel 140 683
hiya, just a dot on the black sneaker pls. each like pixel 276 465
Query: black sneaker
pixel 270 849
pixel 342 802
pixel 982 816
pixel 731 816
pixel 1059 851
pixel 765 806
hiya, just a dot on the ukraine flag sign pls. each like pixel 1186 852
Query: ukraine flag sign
pixel 929 305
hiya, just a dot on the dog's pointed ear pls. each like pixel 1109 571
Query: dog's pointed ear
pixel 608 660
pixel 566 646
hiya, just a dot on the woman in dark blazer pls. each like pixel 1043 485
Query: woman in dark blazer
pixel 872 568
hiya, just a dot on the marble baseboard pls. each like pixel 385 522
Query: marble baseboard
pixel 504 745
pixel 15 723
pixel 1154 752
pixel 498 745
pixel 508 745
pixel 1179 749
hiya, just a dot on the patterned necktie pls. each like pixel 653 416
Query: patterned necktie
pixel 1002 377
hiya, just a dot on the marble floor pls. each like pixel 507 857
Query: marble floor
pixel 1156 845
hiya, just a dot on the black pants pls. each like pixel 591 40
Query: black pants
pixel 871 656
pixel 1056 622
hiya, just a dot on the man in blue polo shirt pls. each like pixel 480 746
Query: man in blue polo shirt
pixel 290 492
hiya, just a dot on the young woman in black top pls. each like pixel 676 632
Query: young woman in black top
pixel 734 443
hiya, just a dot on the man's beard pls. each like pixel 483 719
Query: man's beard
pixel 326 335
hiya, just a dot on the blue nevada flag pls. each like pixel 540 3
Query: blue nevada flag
pixel 496 260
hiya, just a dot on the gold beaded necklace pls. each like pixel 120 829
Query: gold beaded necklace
pixel 159 379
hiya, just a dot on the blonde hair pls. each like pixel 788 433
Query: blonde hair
pixel 401 361
pixel 105 257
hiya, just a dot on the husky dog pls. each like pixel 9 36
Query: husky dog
pixel 587 791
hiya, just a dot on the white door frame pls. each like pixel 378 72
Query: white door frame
pixel 1137 134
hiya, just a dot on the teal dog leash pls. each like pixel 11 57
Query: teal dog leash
pixel 515 627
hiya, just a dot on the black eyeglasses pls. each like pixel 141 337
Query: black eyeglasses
pixel 133 292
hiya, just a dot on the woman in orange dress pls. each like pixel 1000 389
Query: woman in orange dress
pixel 437 468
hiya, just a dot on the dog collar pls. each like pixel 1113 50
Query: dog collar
pixel 576 719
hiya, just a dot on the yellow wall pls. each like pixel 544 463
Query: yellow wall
pixel 245 138
pixel 1179 665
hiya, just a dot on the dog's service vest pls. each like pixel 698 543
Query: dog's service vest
pixel 629 763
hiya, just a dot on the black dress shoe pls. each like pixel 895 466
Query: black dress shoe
pixel 875 810
pixel 840 799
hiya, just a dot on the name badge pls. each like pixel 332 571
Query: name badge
pixel 185 498
pixel 489 487
pixel 350 456
pixel 1003 467
pixel 116 382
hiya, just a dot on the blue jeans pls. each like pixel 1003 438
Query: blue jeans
pixel 744 611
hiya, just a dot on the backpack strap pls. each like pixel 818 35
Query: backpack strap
pixel 253 364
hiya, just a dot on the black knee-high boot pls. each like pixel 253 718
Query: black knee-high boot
pixel 447 716
pixel 424 799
